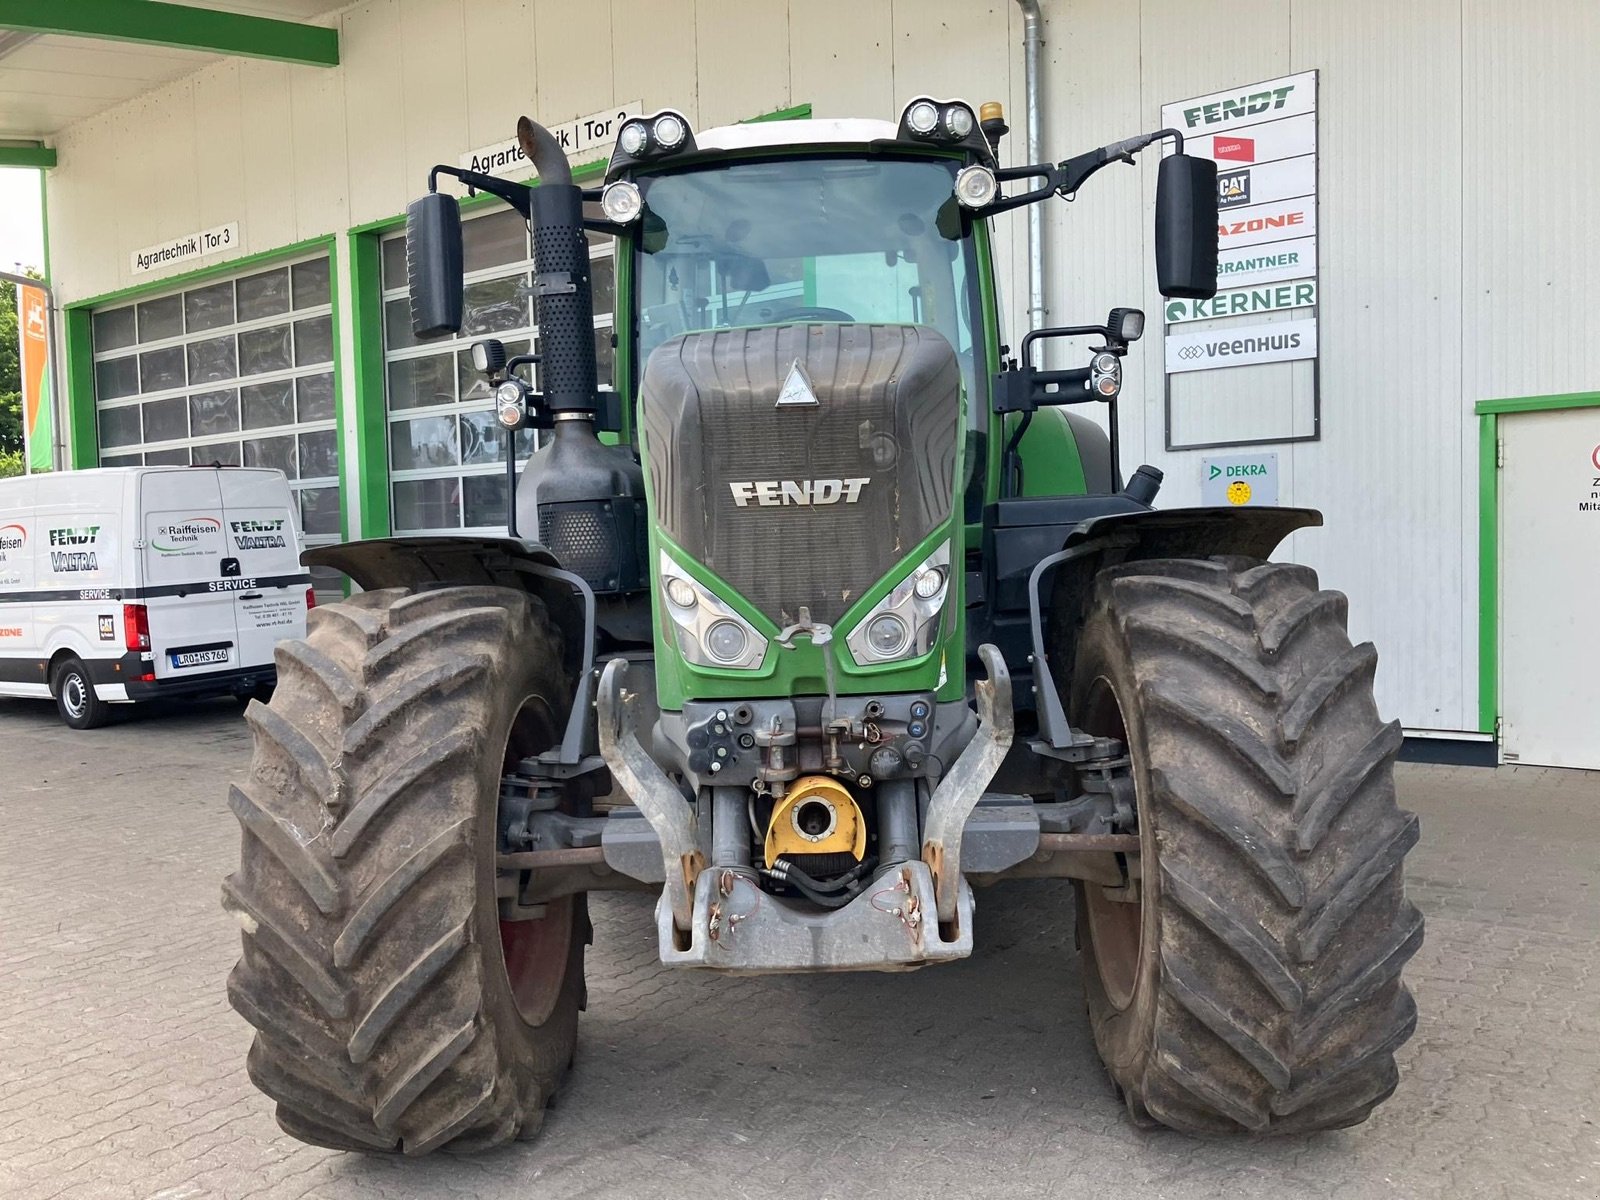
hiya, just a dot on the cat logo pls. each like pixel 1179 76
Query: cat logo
pixel 1233 188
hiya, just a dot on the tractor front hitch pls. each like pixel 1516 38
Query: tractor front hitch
pixel 963 785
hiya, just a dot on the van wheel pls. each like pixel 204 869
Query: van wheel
pixel 79 707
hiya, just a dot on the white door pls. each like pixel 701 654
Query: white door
pixel 1550 588
pixel 192 630
pixel 270 603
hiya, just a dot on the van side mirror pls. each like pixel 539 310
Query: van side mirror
pixel 1186 227
pixel 434 265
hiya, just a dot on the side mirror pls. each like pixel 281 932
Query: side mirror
pixel 1186 227
pixel 434 265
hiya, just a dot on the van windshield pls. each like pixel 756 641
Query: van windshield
pixel 766 242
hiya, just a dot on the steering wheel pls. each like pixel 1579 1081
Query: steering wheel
pixel 818 313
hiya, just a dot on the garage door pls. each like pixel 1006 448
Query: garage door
pixel 237 371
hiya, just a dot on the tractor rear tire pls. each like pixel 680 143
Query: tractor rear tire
pixel 1252 984
pixel 393 1011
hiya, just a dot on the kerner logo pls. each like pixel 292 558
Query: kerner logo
pixel 770 493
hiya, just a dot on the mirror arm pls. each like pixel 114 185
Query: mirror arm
pixel 1065 178
pixel 515 194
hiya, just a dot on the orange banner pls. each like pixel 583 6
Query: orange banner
pixel 37 426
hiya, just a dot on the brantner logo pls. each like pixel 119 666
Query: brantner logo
pixel 258 535
pixel 185 534
pixel 62 561
pixel 770 493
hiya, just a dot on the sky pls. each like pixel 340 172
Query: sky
pixel 21 231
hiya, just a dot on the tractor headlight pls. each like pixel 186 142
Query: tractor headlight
pixel 621 202
pixel 904 623
pixel 1105 374
pixel 709 632
pixel 948 121
pixel 511 404
pixel 633 138
pixel 975 186
pixel 922 117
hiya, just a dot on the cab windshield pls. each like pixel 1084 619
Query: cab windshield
pixel 876 240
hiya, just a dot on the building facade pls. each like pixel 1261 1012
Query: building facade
pixel 1447 206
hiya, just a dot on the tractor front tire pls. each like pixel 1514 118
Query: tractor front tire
pixel 393 1011
pixel 1251 982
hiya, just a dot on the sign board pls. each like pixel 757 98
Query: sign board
pixel 1250 479
pixel 1268 297
pixel 38 421
pixel 1241 346
pixel 219 239
pixel 597 131
pixel 1293 259
pixel 1263 139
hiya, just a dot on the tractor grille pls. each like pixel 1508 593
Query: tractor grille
pixel 887 417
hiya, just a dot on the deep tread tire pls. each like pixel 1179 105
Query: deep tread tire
pixel 372 967
pixel 1267 995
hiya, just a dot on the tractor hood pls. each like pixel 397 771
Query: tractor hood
pixel 800 463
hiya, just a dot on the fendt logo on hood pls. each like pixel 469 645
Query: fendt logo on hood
pixel 773 493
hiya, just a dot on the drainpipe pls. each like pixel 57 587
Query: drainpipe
pixel 1032 25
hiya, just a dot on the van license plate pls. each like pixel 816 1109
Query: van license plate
pixel 199 658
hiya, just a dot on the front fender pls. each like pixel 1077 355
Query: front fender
pixel 1129 537
pixel 440 561
pixel 414 561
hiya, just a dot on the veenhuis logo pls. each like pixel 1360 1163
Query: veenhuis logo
pixel 64 561
pixel 774 493
pixel 186 534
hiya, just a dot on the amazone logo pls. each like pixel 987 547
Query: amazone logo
pixel 1251 104
pixel 770 493
pixel 84 536
pixel 1257 224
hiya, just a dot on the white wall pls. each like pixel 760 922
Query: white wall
pixel 1456 193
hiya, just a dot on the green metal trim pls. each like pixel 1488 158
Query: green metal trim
pixel 1522 404
pixel 200 274
pixel 1488 572
pixel 368 440
pixel 182 26
pixel 44 221
pixel 83 447
pixel 795 112
pixel 27 154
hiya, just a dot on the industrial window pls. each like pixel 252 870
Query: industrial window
pixel 238 372
pixel 446 451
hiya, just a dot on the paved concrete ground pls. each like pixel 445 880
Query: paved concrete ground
pixel 122 1067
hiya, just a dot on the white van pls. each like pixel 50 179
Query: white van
pixel 133 583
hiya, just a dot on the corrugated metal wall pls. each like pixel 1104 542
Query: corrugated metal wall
pixel 1456 183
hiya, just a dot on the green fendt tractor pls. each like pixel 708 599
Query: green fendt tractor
pixel 831 613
